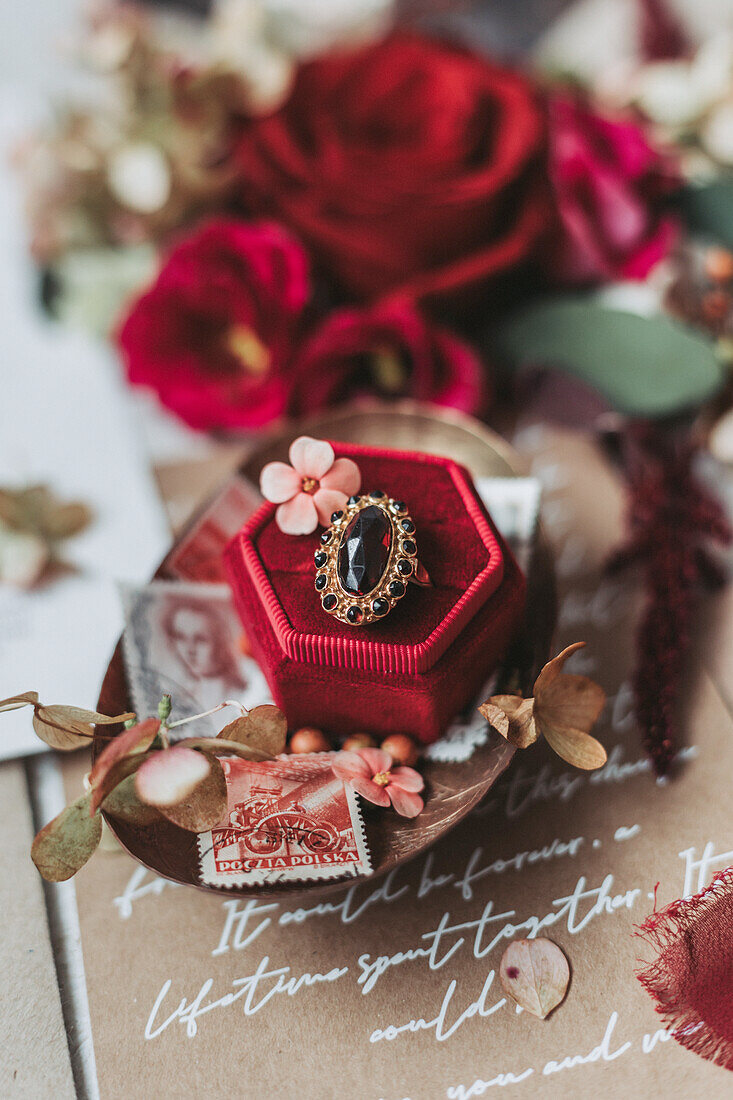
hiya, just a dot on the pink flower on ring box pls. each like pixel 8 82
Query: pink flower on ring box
pixel 312 488
pixel 371 774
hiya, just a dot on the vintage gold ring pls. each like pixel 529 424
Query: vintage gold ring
pixel 366 559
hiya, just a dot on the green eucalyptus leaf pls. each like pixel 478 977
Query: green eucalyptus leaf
pixel 64 845
pixel 708 209
pixel 643 366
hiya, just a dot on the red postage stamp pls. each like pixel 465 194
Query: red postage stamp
pixel 198 555
pixel 287 819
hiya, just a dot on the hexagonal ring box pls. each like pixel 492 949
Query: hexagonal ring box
pixel 414 670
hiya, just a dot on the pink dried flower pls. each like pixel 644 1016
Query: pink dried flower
pixel 312 488
pixel 372 775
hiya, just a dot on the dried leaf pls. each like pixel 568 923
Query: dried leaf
pixel 205 807
pixel 562 699
pixel 535 973
pixel 264 728
pixel 67 842
pixel 514 714
pixel 123 803
pixel 62 521
pixel 39 511
pixel 216 746
pixel 106 773
pixel 576 747
pixel 67 728
pixel 17 701
pixel 496 717
pixel 169 776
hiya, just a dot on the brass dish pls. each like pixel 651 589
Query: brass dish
pixel 452 789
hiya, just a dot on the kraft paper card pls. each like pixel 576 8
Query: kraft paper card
pixel 389 989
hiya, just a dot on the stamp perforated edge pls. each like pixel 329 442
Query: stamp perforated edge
pixel 210 877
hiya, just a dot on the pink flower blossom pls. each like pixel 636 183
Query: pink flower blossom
pixel 371 774
pixel 312 488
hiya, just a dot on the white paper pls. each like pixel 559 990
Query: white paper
pixel 66 419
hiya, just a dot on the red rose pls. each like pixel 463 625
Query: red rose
pixel 214 334
pixel 410 167
pixel 390 351
pixel 608 184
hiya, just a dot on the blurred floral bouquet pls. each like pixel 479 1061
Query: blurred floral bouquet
pixel 287 205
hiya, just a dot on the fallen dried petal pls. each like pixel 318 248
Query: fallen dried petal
pixel 67 842
pixel 205 807
pixel 264 728
pixel 576 747
pixel 169 776
pixel 535 973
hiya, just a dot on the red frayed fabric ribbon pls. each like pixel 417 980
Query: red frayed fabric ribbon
pixel 691 980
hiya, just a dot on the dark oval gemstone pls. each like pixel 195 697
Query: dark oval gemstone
pixel 408 526
pixel 325 537
pixel 404 566
pixel 353 500
pixel 380 606
pixel 321 581
pixel 399 506
pixel 320 558
pixel 364 551
pixel 336 516
pixel 355 614
pixel 408 547
pixel 329 602
pixel 376 494
pixel 397 589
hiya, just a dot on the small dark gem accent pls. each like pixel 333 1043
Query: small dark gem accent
pixel 408 547
pixel 404 566
pixel 380 606
pixel 353 500
pixel 321 581
pixel 397 589
pixel 336 516
pixel 408 526
pixel 325 537
pixel 399 506
pixel 320 558
pixel 376 494
pixel 363 551
pixel 355 614
pixel 329 602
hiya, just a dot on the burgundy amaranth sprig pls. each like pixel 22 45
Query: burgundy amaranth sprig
pixel 672 520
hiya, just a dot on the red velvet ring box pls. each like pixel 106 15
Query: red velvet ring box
pixel 413 671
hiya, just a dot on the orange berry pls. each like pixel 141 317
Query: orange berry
pixel 719 265
pixel 401 748
pixel 309 739
pixel 359 741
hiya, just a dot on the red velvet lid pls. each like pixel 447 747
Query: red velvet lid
pixel 456 544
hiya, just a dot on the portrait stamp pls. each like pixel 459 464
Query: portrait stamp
pixel 288 819
pixel 198 555
pixel 184 640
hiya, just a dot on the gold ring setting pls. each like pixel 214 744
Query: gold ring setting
pixel 366 559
